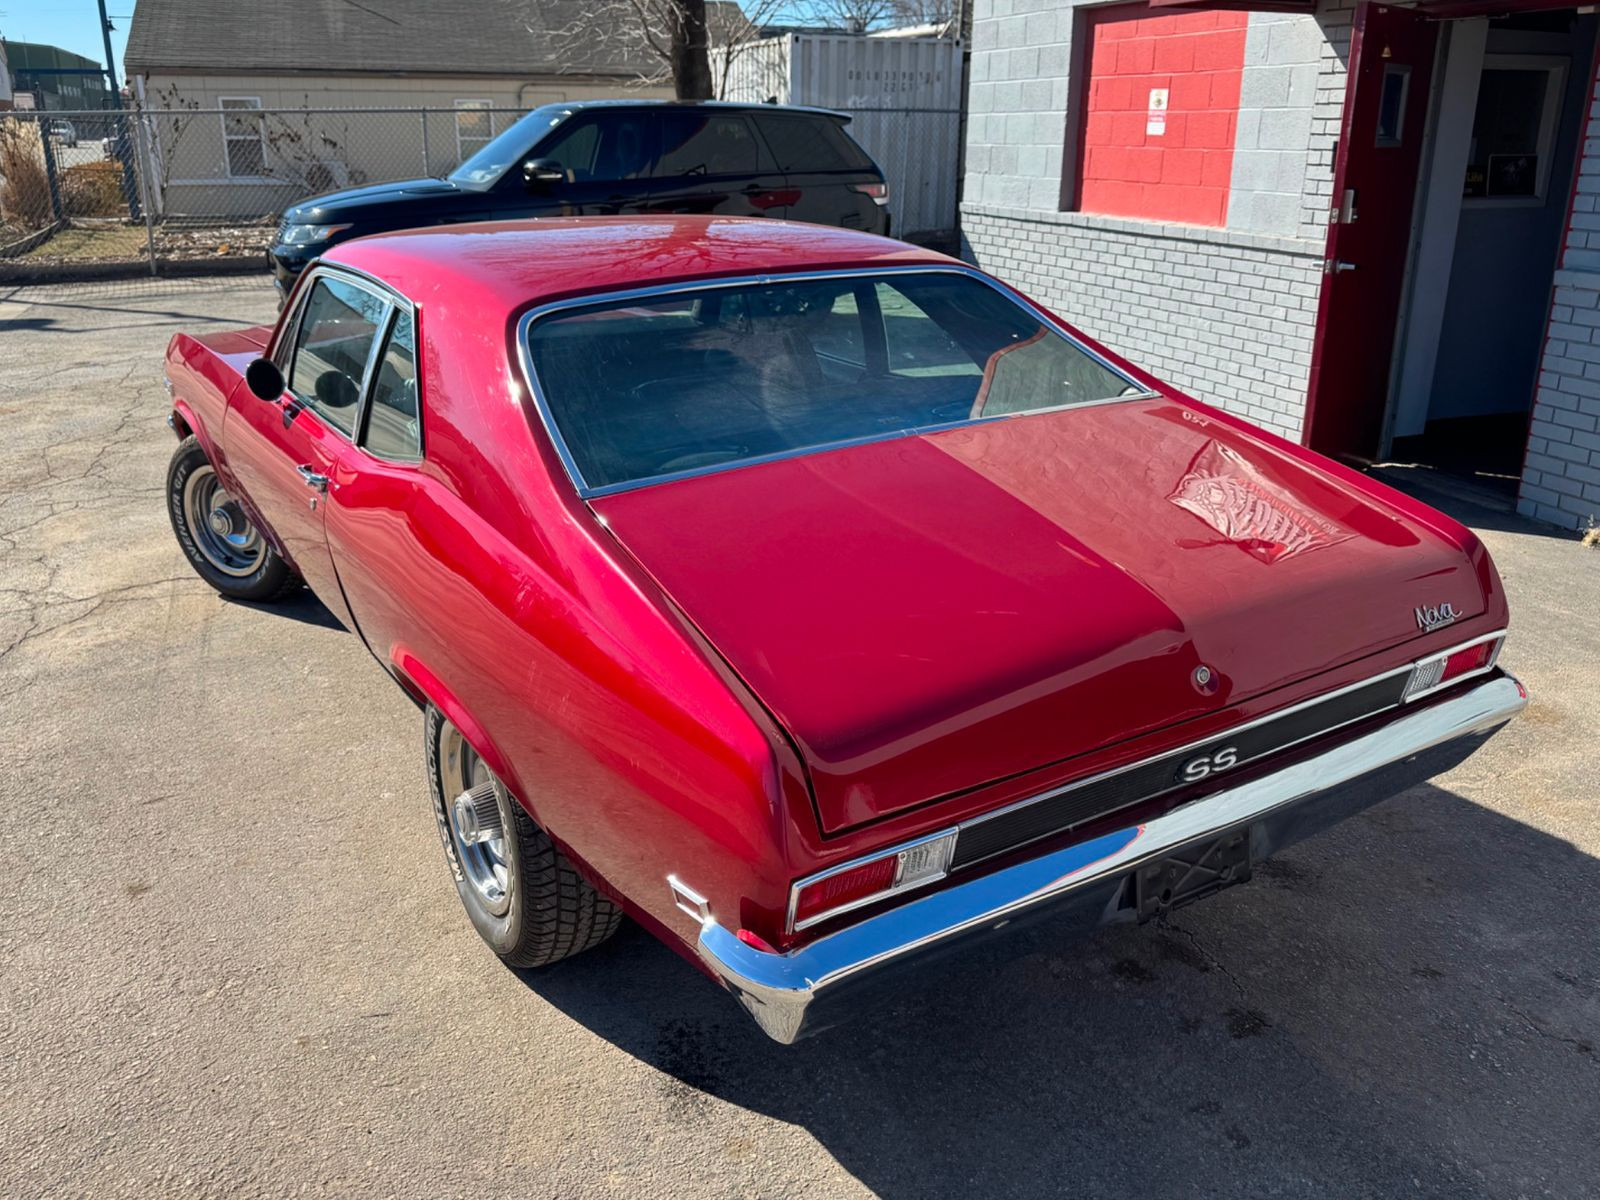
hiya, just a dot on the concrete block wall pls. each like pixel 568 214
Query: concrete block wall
pixel 1561 474
pixel 1225 314
pixel 1273 154
pixel 1227 318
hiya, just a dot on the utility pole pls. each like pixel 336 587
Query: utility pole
pixel 124 136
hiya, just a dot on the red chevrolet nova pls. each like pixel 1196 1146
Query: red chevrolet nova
pixel 817 600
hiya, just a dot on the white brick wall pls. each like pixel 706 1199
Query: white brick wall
pixel 1226 317
pixel 1561 474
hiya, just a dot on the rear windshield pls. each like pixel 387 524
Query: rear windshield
pixel 696 380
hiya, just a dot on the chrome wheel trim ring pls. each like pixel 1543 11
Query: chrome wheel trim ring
pixel 485 865
pixel 217 524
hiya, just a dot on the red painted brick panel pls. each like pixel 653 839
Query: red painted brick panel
pixel 1181 175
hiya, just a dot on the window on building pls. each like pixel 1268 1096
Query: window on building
pixel 474 127
pixel 1514 129
pixel 243 136
pixel 1160 101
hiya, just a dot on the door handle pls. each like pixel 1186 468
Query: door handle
pixel 311 479
pixel 1337 266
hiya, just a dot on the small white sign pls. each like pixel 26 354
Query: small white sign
pixel 1155 121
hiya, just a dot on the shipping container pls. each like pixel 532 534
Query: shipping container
pixel 903 97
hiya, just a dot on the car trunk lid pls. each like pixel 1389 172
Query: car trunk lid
pixel 932 613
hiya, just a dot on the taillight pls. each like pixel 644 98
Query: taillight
pixel 878 191
pixel 866 880
pixel 1431 674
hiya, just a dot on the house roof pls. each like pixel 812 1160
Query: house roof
pixel 516 38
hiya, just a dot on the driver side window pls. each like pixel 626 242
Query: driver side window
pixel 337 329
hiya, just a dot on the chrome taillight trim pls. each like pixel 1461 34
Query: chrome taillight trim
pixel 896 887
pixel 1440 657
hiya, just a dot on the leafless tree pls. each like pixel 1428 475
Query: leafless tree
pixel 857 16
pixel 923 12
pixel 659 41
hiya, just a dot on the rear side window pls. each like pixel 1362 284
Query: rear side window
pixel 394 428
pixel 811 143
pixel 602 149
pixel 700 142
pixel 337 328
pixel 652 387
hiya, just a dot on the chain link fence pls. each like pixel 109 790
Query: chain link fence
pixel 193 189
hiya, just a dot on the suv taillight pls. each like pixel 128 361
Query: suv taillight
pixel 878 191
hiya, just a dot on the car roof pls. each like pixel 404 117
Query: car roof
pixel 502 267
pixel 734 105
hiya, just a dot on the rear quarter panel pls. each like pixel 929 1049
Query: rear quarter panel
pixel 492 595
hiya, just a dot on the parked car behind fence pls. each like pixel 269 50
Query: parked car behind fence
pixel 214 182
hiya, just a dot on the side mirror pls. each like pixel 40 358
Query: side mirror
pixel 540 173
pixel 264 379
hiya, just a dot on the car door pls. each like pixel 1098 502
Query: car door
pixel 711 161
pixel 284 452
pixel 605 157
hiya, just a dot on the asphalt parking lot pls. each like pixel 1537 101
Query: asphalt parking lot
pixel 231 963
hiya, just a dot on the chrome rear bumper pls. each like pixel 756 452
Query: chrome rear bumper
pixel 1084 886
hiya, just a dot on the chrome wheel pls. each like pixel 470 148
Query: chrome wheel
pixel 221 531
pixel 474 818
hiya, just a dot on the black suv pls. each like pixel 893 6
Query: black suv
pixel 618 156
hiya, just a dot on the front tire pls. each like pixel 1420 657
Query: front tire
pixel 522 894
pixel 221 544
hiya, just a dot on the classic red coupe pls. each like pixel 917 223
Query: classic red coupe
pixel 817 600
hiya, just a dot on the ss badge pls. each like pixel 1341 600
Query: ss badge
pixel 1213 762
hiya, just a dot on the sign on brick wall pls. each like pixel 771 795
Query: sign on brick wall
pixel 1162 104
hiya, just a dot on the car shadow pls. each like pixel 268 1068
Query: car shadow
pixel 302 606
pixel 1408 1004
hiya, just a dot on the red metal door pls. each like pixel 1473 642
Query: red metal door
pixel 1374 189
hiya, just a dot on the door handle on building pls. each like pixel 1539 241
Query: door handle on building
pixel 1337 266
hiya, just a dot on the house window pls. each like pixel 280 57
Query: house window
pixel 1159 98
pixel 1519 107
pixel 243 141
pixel 474 127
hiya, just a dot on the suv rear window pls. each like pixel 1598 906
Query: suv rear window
pixel 811 143
pixel 648 388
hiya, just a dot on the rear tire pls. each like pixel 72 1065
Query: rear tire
pixel 216 536
pixel 522 894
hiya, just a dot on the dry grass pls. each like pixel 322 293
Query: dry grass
pixel 1591 537
pixel 93 190
pixel 104 244
pixel 24 187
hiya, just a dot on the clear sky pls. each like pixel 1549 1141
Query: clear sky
pixel 70 24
